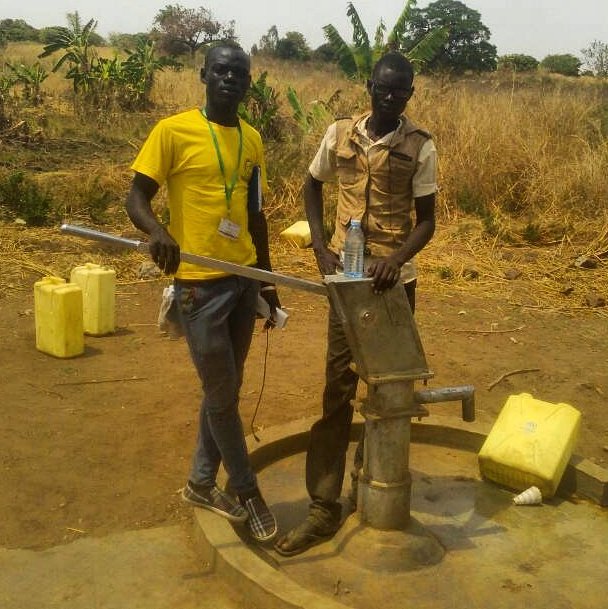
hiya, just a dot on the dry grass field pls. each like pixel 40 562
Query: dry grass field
pixel 523 165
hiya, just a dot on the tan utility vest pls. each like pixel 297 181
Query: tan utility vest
pixel 375 185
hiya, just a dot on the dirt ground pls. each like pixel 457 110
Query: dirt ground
pixel 101 443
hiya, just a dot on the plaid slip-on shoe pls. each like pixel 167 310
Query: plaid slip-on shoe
pixel 214 499
pixel 261 523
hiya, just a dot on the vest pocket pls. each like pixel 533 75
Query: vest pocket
pixel 344 217
pixel 346 165
pixel 401 170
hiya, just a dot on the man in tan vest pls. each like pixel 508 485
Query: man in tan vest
pixel 385 167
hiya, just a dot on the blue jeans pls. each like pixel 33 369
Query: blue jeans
pixel 218 318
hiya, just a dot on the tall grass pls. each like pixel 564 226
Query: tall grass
pixel 527 155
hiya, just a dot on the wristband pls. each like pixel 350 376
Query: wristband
pixel 268 288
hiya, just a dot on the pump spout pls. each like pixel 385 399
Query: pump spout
pixel 465 394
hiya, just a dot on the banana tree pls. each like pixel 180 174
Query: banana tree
pixel 75 41
pixel 260 108
pixel 140 68
pixel 357 60
pixel 30 78
pixel 308 118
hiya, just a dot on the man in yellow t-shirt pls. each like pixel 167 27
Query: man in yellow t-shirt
pixel 207 158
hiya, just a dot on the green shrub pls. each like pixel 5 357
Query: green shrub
pixel 20 197
pixel 517 62
pixel 566 64
pixel 471 201
pixel 532 233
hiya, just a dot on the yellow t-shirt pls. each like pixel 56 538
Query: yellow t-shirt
pixel 180 151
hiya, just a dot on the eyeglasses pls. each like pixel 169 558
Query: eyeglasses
pixel 221 70
pixel 396 92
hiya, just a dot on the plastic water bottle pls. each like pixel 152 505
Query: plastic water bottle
pixel 354 246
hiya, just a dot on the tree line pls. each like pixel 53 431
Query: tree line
pixel 445 36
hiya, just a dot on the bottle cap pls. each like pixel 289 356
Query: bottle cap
pixel 355 222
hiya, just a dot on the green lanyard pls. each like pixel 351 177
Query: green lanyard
pixel 228 188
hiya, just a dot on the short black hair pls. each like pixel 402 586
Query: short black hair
pixel 224 44
pixel 395 61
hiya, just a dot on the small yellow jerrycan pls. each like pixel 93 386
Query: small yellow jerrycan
pixel 58 314
pixel 98 286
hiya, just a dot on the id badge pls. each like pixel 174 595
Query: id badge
pixel 228 228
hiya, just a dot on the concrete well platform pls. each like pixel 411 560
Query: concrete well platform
pixel 494 554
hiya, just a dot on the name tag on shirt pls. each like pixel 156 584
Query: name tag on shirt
pixel 229 229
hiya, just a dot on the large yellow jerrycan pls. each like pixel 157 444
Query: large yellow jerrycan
pixel 58 314
pixel 98 286
pixel 530 444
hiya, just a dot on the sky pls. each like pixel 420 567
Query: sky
pixel 532 27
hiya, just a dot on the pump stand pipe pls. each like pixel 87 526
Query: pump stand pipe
pixel 385 482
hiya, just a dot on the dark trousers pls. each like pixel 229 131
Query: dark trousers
pixel 329 436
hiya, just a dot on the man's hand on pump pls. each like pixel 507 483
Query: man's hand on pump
pixel 385 273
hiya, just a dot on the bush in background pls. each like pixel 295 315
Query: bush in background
pixel 518 63
pixel 22 199
pixel 566 65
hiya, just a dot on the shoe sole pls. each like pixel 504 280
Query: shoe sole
pixel 225 515
pixel 311 543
